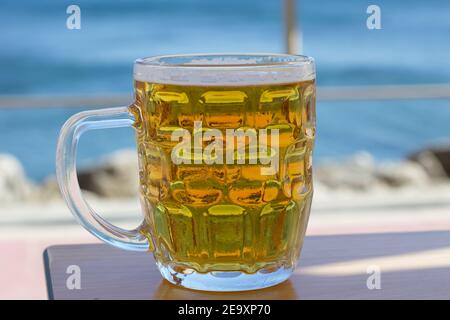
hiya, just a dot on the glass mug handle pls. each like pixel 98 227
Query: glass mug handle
pixel 66 174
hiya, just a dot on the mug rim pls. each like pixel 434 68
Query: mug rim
pixel 224 68
pixel 289 59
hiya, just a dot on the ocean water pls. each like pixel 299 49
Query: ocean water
pixel 39 55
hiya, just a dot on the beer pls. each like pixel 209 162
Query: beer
pixel 225 147
pixel 224 201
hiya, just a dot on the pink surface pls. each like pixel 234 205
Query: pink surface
pixel 22 268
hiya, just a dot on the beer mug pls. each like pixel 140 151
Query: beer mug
pixel 225 166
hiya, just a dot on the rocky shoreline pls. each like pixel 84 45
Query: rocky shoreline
pixel 115 176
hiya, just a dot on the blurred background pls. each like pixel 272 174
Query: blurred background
pixel 382 156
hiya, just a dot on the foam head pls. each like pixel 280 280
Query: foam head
pixel 225 69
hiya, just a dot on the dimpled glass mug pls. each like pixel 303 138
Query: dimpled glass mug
pixel 225 156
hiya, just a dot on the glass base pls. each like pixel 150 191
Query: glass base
pixel 224 280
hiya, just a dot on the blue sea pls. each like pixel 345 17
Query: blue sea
pixel 40 56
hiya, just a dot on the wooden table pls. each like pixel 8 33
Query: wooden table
pixel 414 265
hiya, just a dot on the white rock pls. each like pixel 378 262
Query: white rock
pixel 356 173
pixel 116 176
pixel 14 186
pixel 46 191
pixel 403 173
pixel 435 161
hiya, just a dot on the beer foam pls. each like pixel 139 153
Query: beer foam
pixel 225 70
